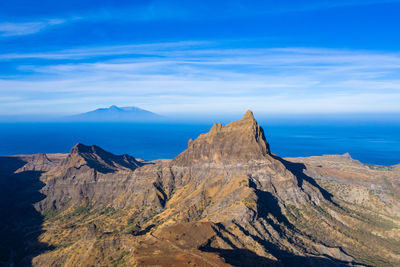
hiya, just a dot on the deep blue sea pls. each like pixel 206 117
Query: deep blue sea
pixel 369 143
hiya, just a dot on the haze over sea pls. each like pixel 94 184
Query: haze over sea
pixel 369 142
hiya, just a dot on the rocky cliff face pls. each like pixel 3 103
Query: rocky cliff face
pixel 96 158
pixel 88 176
pixel 237 142
pixel 226 200
pixel 40 162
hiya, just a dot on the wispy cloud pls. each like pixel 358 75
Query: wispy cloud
pixel 157 10
pixel 192 77
pixel 115 50
pixel 24 28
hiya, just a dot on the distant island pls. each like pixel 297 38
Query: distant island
pixel 117 114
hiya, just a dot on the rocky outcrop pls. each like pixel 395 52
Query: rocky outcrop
pixel 238 142
pixel 39 162
pixel 225 200
pixel 89 175
pixel 99 159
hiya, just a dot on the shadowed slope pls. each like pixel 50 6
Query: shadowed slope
pixel 99 159
pixel 20 223
pixel 88 175
pixel 226 200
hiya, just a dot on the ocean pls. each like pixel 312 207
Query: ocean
pixel 370 143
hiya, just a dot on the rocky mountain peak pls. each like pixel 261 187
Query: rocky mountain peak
pixel 80 148
pixel 347 155
pixel 99 159
pixel 248 115
pixel 238 141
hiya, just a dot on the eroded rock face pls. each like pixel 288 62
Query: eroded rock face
pixel 89 175
pixel 237 142
pixel 40 162
pixel 99 159
pixel 225 200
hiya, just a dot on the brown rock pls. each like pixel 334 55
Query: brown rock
pixel 225 200
pixel 239 141
pixel 38 162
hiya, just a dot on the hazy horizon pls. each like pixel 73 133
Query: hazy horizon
pixel 283 118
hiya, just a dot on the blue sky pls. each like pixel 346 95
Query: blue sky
pixel 200 57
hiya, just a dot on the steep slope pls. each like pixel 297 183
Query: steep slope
pixel 368 197
pixel 247 197
pixel 99 159
pixel 40 162
pixel 88 175
pixel 226 200
pixel 237 142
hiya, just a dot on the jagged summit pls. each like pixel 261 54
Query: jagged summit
pixel 347 155
pixel 249 115
pixel 80 148
pixel 238 141
pixel 99 159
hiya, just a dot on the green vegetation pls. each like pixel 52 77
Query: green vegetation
pixel 49 214
pixel 243 183
pixel 107 211
pixel 293 212
pixel 157 220
pixel 150 217
pixel 119 260
pixel 379 167
pixel 79 211
pixel 250 202
pixel 370 217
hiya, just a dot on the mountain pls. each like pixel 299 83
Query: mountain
pixel 117 114
pixel 236 142
pixel 227 200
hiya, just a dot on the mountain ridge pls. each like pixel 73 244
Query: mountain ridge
pixel 226 200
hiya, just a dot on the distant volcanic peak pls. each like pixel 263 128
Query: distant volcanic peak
pixel 117 114
pixel 114 107
pixel 236 142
